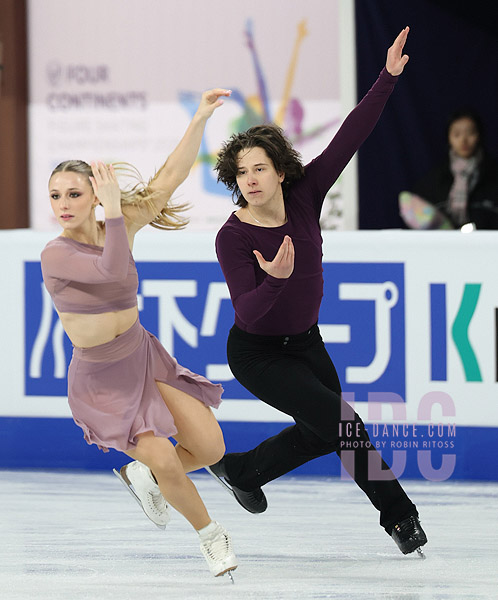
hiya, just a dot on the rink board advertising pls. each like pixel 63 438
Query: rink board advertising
pixel 414 342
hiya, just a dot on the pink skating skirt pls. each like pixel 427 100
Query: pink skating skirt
pixel 112 389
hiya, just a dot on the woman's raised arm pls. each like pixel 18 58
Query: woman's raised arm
pixel 177 167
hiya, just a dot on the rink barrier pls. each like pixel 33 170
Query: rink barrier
pixel 409 318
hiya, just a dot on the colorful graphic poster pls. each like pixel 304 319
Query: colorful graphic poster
pixel 120 81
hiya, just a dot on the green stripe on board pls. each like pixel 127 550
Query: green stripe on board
pixel 460 330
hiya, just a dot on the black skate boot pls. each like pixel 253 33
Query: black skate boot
pixel 253 501
pixel 409 535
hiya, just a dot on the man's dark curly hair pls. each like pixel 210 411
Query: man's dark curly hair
pixel 278 148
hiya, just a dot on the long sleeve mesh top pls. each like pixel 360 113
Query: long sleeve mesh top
pixel 87 279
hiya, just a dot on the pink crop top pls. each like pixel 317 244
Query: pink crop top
pixel 87 279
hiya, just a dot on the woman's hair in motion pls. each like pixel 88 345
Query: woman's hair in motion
pixel 134 192
pixel 272 140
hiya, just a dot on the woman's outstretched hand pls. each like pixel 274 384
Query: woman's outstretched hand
pixel 210 101
pixel 106 188
pixel 282 266
pixel 396 60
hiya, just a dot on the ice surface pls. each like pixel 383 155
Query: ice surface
pixel 79 535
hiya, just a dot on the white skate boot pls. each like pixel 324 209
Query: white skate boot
pixel 138 480
pixel 216 545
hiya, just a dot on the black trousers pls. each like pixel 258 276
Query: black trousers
pixel 296 375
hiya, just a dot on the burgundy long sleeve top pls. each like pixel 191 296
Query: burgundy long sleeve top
pixel 266 305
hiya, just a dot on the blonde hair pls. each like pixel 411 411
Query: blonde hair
pixel 134 192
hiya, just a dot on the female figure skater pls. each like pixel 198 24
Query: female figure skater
pixel 270 251
pixel 124 389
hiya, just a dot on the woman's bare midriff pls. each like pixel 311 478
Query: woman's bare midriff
pixel 86 331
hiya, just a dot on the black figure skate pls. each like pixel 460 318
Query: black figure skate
pixel 253 501
pixel 409 535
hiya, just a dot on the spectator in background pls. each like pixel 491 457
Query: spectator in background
pixel 464 186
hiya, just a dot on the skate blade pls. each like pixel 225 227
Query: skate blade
pixel 127 485
pixel 228 572
pixel 221 481
pixel 421 554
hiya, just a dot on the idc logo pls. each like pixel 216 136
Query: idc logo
pixel 362 321
pixel 186 305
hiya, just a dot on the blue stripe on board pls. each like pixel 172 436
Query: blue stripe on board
pixel 418 452
pixel 438 332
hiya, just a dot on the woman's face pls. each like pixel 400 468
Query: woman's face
pixel 463 137
pixel 72 199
